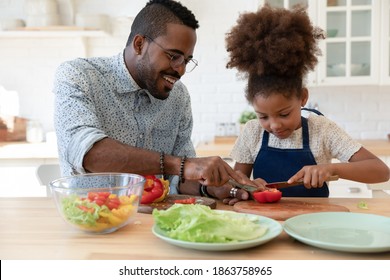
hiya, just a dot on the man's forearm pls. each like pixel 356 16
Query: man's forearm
pixel 109 155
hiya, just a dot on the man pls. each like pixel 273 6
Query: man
pixel 130 112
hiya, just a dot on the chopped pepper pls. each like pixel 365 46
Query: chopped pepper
pixel 166 190
pixel 190 200
pixel 363 205
pixel 271 195
pixel 155 189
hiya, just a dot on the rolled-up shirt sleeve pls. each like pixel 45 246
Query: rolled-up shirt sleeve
pixel 80 144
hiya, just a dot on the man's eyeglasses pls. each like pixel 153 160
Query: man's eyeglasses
pixel 177 59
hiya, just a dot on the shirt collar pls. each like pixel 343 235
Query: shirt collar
pixel 125 82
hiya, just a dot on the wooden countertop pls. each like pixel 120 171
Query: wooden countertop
pixel 378 147
pixel 222 147
pixel 31 228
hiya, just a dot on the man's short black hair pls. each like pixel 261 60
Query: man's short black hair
pixel 152 20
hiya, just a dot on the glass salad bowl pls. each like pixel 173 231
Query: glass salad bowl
pixel 98 202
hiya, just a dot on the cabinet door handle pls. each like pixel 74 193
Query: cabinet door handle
pixel 354 190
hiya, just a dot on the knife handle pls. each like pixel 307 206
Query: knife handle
pixel 330 178
pixel 280 185
pixel 333 178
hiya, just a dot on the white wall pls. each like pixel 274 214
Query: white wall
pixel 27 65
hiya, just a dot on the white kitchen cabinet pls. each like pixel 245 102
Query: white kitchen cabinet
pixel 385 45
pixel 20 180
pixel 309 4
pixel 346 188
pixel 357 48
pixel 18 165
pixel 350 51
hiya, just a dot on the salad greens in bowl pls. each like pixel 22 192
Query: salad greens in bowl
pixel 98 202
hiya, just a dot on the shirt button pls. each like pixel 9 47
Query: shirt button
pixel 141 136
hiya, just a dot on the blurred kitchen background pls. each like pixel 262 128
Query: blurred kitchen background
pixel 351 84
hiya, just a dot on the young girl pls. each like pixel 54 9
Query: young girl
pixel 274 49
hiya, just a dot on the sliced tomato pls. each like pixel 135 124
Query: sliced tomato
pixel 112 203
pixel 92 196
pixel 99 201
pixel 272 195
pixel 104 198
pixel 190 200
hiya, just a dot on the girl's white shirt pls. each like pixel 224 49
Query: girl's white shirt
pixel 327 141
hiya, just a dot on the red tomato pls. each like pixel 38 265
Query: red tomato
pixel 99 202
pixel 92 196
pixel 102 198
pixel 271 195
pixel 112 203
pixel 190 200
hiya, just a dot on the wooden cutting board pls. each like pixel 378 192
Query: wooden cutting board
pixel 170 200
pixel 285 208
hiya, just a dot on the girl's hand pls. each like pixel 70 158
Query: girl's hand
pixel 312 176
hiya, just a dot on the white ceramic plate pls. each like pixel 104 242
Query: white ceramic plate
pixel 341 231
pixel 274 229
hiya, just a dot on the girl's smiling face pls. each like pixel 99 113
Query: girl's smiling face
pixel 278 114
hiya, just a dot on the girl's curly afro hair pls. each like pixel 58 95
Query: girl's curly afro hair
pixel 274 47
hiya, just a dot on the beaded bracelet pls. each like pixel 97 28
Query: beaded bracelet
pixel 181 178
pixel 162 163
pixel 203 191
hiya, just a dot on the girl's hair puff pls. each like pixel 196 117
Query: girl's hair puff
pixel 274 48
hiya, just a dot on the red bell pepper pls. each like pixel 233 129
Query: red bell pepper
pixel 165 184
pixel 86 209
pixel 190 200
pixel 271 195
pixel 153 190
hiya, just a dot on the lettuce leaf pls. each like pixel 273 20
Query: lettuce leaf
pixel 199 223
pixel 75 215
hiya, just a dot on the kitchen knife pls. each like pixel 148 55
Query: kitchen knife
pixel 248 188
pixel 279 185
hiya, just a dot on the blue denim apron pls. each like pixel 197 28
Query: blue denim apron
pixel 274 165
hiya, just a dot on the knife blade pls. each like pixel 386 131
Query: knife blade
pixel 280 185
pixel 248 188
